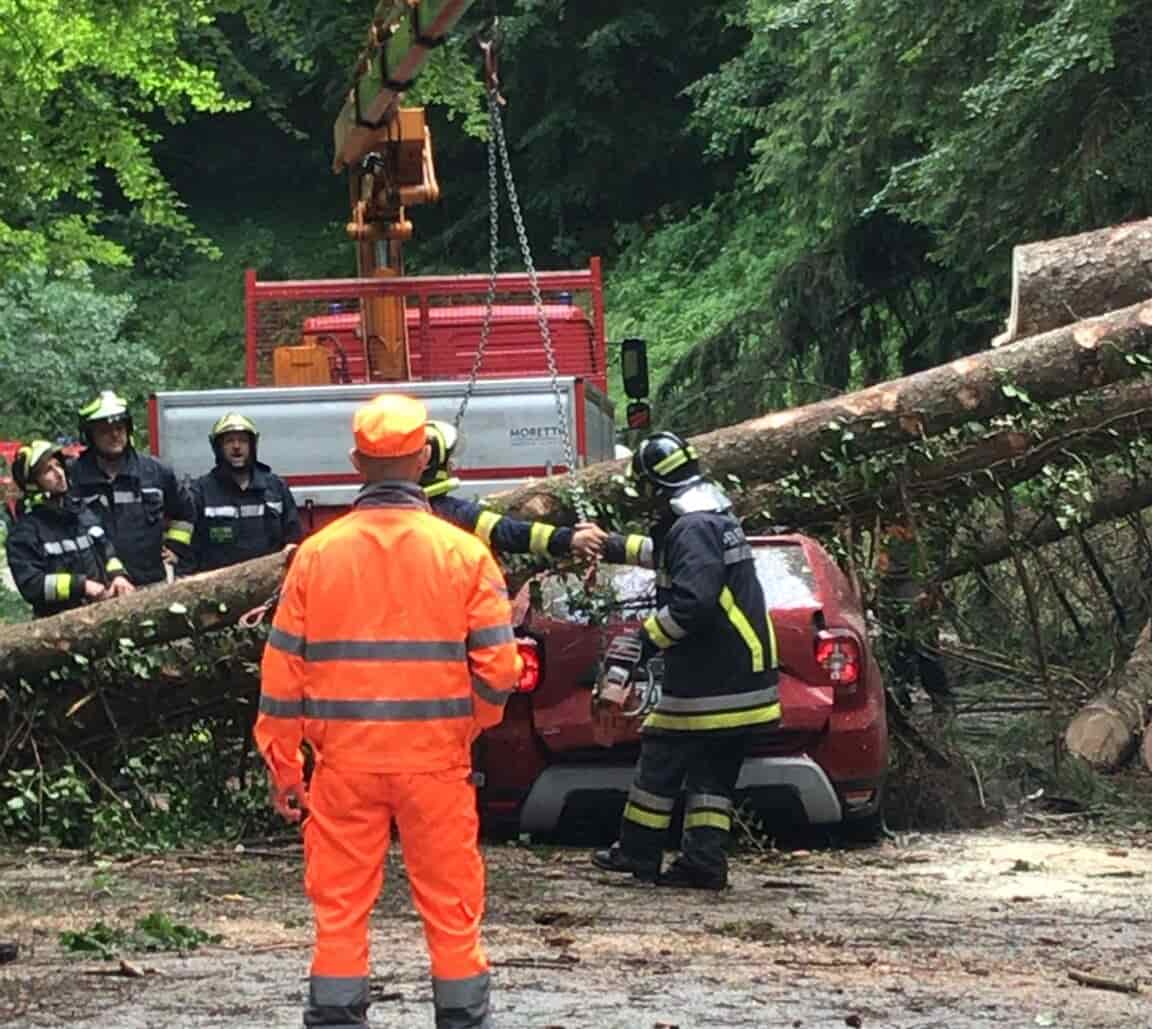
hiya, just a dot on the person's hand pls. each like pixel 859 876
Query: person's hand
pixel 94 590
pixel 290 802
pixel 588 540
pixel 168 557
pixel 120 586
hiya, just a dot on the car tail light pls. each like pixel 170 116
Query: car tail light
pixel 838 655
pixel 529 665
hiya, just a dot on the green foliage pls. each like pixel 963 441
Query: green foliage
pixel 53 807
pixel 189 787
pixel 904 151
pixel 61 341
pixel 84 85
pixel 154 932
pixel 676 283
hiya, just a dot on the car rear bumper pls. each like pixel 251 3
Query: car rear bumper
pixel 799 777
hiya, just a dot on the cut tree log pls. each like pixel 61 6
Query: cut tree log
pixel 1084 356
pixel 1105 730
pixel 198 604
pixel 1060 281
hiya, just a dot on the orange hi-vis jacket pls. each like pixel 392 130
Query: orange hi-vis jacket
pixel 392 646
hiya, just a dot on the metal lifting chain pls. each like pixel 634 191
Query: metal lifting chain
pixel 497 146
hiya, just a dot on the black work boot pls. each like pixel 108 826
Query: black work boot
pixel 615 860
pixel 689 877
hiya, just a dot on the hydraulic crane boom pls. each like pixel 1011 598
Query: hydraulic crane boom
pixel 387 151
pixel 399 39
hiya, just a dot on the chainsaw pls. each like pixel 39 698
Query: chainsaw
pixel 625 682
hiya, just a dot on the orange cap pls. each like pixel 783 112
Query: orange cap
pixel 390 425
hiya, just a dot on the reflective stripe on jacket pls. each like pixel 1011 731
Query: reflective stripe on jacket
pixel 143 509
pixel 711 623
pixel 392 646
pixel 234 524
pixel 54 549
pixel 503 534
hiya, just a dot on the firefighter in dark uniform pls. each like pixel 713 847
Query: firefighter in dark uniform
pixel 242 510
pixel 503 534
pixel 719 689
pixel 144 511
pixel 58 552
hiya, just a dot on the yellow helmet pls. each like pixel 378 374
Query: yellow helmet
pixel 442 438
pixel 109 406
pixel 28 461
pixel 233 422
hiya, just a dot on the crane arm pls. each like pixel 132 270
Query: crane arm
pixel 399 39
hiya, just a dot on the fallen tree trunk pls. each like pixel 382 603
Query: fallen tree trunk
pixel 1059 281
pixel 1105 730
pixel 188 607
pixel 1103 419
pixel 1080 357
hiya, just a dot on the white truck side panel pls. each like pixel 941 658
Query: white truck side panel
pixel 510 429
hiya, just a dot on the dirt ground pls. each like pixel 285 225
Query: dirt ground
pixel 955 930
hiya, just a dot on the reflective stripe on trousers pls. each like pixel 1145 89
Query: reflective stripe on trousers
pixel 346 840
pixel 708 768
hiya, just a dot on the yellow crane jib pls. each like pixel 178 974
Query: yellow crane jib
pixel 399 40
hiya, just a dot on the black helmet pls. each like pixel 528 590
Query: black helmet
pixel 28 461
pixel 234 422
pixel 442 437
pixel 665 462
pixel 107 407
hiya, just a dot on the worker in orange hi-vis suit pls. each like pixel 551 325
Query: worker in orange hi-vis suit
pixel 391 650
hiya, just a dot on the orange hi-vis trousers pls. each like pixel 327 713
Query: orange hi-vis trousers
pixel 346 839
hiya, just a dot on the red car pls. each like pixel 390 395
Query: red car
pixel 551 763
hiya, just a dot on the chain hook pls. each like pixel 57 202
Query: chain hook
pixel 490 39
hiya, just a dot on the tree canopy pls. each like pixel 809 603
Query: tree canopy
pixel 792 195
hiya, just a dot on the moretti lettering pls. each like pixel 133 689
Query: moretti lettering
pixel 527 435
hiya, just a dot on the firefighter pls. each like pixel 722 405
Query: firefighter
pixel 242 510
pixel 503 534
pixel 143 509
pixel 391 650
pixel 58 552
pixel 719 689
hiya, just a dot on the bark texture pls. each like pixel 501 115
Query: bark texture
pixel 1104 731
pixel 188 607
pixel 1059 281
pixel 1080 357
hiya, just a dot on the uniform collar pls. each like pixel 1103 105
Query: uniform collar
pixel 88 469
pixel 392 494
pixel 68 507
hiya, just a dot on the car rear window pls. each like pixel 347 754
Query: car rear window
pixel 785 576
pixel 783 571
pixel 632 596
